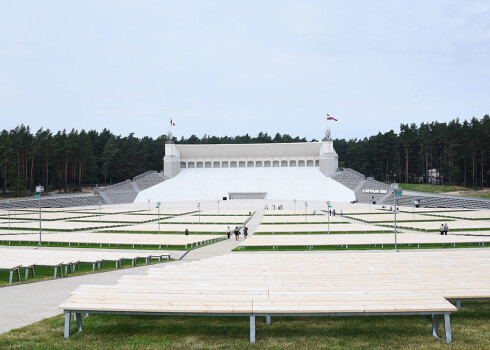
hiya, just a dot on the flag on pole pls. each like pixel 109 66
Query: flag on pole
pixel 172 123
pixel 331 118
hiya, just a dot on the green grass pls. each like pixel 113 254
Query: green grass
pixel 470 329
pixel 46 272
pixel 323 232
pixel 163 232
pixel 96 245
pixel 433 188
pixel 356 247
pixel 479 195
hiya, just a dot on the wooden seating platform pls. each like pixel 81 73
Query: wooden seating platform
pixel 302 284
pixel 373 239
pixel 313 228
pixel 162 241
pixel 15 259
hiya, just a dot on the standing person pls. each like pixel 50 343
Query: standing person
pixel 446 229
pixel 245 232
pixel 186 232
pixel 237 232
pixel 441 229
pixel 228 232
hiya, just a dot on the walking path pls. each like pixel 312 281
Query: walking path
pixel 24 304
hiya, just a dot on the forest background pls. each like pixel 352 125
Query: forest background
pixel 67 161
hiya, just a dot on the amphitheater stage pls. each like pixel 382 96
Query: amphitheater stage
pixel 268 183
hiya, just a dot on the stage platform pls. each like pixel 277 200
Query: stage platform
pixel 275 183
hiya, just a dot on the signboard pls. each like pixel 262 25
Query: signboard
pixel 366 190
pixel 398 194
pixel 39 189
pixel 37 196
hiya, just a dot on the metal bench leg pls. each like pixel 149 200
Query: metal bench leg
pixel 11 275
pixel 27 273
pixel 447 328
pixel 93 267
pixel 55 271
pixel 32 270
pixel 458 305
pixel 61 271
pixel 267 319
pixel 78 318
pixel 66 269
pixel 18 274
pixel 435 325
pixel 252 329
pixel 67 324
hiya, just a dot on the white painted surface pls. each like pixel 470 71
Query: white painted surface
pixel 279 183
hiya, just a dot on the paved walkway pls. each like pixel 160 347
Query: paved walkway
pixel 24 304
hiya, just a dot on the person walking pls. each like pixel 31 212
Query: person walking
pixel 245 232
pixel 237 232
pixel 441 229
pixel 228 232
pixel 446 229
pixel 186 232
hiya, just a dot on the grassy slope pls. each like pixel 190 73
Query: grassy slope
pixel 432 188
pixel 470 329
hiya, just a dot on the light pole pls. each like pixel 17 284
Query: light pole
pixel 158 206
pixel 148 206
pixel 8 206
pixel 199 211
pixel 328 214
pixel 396 192
pixel 218 206
pixel 39 190
pixel 306 209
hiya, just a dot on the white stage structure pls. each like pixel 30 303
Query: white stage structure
pixel 277 171
pixel 248 183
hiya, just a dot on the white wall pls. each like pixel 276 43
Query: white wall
pixel 279 183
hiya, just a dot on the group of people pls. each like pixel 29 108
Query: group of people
pixel 444 229
pixel 274 207
pixel 237 232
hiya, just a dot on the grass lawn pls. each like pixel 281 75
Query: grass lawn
pixel 470 329
pixel 480 195
pixel 95 245
pixel 433 188
pixel 46 272
pixel 356 247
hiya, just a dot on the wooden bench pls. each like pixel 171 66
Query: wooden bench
pixel 113 300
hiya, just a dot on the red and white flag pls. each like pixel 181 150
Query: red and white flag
pixel 330 118
pixel 172 123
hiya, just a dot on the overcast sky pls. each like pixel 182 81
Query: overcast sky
pixel 236 67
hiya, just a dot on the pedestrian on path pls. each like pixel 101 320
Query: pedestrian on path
pixel 446 229
pixel 245 232
pixel 228 232
pixel 186 232
pixel 441 229
pixel 237 232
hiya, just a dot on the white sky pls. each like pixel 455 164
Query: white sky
pixel 236 67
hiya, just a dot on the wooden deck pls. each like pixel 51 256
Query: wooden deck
pixel 340 284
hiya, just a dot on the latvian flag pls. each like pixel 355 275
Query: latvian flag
pixel 330 118
pixel 172 123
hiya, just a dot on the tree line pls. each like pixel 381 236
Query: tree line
pixel 459 151
pixel 67 161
